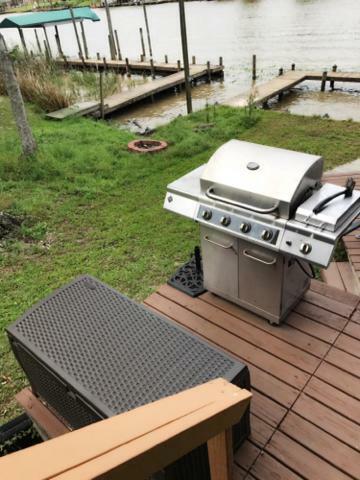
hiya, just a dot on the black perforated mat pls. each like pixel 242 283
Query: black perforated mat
pixel 114 353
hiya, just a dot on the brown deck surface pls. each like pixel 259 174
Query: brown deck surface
pixel 352 244
pixel 305 410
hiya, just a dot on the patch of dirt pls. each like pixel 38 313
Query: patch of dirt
pixel 9 225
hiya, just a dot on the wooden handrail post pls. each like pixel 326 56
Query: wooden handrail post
pixel 221 461
pixel 332 82
pixel 323 81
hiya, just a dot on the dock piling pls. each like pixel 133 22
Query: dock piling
pixel 152 68
pixel 178 65
pixel 332 82
pixel 142 58
pixel 208 71
pixel 22 38
pixel 293 67
pixel 84 40
pixel 58 42
pixel 97 55
pixel 281 71
pixel 75 30
pixel 166 59
pixel 221 61
pixel 105 64
pixel 147 29
pixel 193 60
pixel 127 66
pixel 118 45
pixel 254 67
pixel 142 42
pixel 323 81
pixel 37 41
pixel 101 95
pixel 111 31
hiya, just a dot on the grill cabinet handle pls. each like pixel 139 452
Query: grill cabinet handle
pixel 226 247
pixel 210 193
pixel 257 259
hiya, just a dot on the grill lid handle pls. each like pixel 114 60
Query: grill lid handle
pixel 210 193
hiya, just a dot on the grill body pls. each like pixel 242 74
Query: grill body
pixel 90 353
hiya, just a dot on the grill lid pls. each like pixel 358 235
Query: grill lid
pixel 260 178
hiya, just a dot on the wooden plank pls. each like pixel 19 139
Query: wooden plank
pixel 301 460
pixel 340 379
pixel 331 422
pixel 220 451
pixel 286 332
pixel 321 443
pixel 268 468
pixel 320 315
pixel 275 366
pixel 331 276
pixel 246 455
pixel 348 344
pixel 266 409
pixel 243 330
pixel 334 293
pixel 134 444
pixel 311 327
pixel 330 304
pixel 77 110
pixel 353 329
pixel 356 316
pixel 260 431
pixel 41 415
pixel 344 360
pixel 342 403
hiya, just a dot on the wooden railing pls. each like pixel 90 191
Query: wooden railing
pixel 136 444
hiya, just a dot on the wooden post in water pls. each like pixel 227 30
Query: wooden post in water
pixel 105 64
pixel 147 29
pixel 101 94
pixel 221 61
pixel 37 41
pixel 178 65
pixel 193 60
pixel 47 43
pixel 281 71
pixel 185 55
pixel 142 42
pixel 208 71
pixel 254 67
pixel 293 66
pixel 47 54
pixel 98 55
pixel 152 68
pixel 127 66
pixel 84 39
pixel 142 58
pixel 23 43
pixel 58 43
pixel 111 31
pixel 332 82
pixel 323 81
pixel 166 59
pixel 118 45
pixel 76 32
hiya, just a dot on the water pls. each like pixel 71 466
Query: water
pixel 314 34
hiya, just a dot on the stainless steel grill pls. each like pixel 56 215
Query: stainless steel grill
pixel 264 216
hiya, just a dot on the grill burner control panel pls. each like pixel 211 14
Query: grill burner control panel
pixel 240 226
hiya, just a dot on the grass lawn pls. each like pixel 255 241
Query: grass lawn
pixel 93 207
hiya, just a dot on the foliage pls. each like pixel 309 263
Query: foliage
pixel 97 208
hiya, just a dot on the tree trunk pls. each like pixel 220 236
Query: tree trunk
pixel 16 101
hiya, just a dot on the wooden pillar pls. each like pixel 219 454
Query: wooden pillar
pixel 220 450
pixel 193 60
pixel 47 42
pixel 332 82
pixel 178 65
pixel 84 39
pixel 152 68
pixel 142 42
pixel 37 41
pixel 254 67
pixel 281 71
pixel 127 66
pixel 58 42
pixel 185 55
pixel 101 94
pixel 23 43
pixel 76 32
pixel 46 49
pixel 221 62
pixel 147 29
pixel 166 59
pixel 323 81
pixel 98 55
pixel 208 71
pixel 111 31
pixel 105 64
pixel 142 58
pixel 293 66
pixel 118 45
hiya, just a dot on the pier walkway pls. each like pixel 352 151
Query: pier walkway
pixel 261 94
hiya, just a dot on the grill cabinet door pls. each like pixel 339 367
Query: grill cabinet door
pixel 260 278
pixel 220 262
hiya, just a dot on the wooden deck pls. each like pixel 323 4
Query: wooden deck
pixel 264 92
pixel 305 410
pixel 134 95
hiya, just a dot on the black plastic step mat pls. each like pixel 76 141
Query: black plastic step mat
pixel 189 277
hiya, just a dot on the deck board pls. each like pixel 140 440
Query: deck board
pixel 304 374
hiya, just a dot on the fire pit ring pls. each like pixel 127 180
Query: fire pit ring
pixel 147 146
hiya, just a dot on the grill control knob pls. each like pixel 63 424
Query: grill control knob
pixel 305 248
pixel 225 220
pixel 206 214
pixel 245 227
pixel 266 235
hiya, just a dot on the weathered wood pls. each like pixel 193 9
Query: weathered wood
pixel 254 76
pixel 101 85
pixel 332 82
pixel 76 32
pixel 135 444
pixel 118 45
pixel 86 50
pixel 77 110
pixel 142 42
pixel 220 449
pixel 37 41
pixel 323 81
pixel 147 29
pixel 58 42
pixel 23 43
pixel 110 31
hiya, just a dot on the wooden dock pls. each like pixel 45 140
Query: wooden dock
pixel 261 94
pixel 132 66
pixel 134 95
pixel 305 410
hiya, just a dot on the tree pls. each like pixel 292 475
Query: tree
pixel 16 101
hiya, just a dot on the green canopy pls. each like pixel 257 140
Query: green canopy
pixel 43 19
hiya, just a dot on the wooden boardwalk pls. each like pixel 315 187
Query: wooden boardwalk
pixel 264 92
pixel 305 410
pixel 134 95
